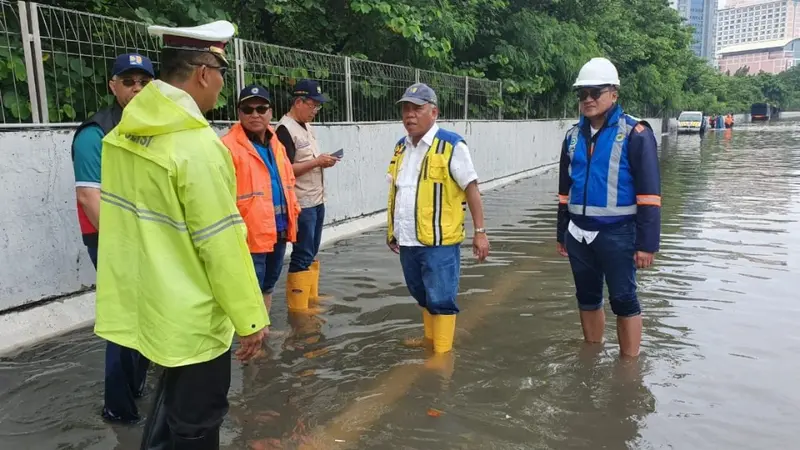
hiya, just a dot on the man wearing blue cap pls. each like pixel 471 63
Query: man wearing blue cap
pixel 126 369
pixel 264 186
pixel 295 133
pixel 431 182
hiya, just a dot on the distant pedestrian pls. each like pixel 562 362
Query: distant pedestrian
pixel 125 368
pixel 609 212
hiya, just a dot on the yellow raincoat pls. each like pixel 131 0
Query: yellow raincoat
pixel 175 277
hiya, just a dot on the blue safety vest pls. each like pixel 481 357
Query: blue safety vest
pixel 602 181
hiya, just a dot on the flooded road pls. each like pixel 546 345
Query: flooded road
pixel 720 358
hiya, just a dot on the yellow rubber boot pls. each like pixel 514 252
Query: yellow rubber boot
pixel 314 269
pixel 427 320
pixel 444 329
pixel 298 289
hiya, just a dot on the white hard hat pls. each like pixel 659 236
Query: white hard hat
pixel 597 72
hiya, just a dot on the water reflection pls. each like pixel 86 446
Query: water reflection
pixel 720 347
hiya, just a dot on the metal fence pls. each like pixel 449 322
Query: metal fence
pixel 55 64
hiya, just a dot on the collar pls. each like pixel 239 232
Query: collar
pixel 427 138
pixel 612 116
pixel 254 138
pixel 180 97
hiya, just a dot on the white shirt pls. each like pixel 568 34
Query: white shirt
pixel 577 232
pixel 405 227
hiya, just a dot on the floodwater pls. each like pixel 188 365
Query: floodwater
pixel 719 367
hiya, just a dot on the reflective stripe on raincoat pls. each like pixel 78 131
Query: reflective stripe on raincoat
pixel 175 276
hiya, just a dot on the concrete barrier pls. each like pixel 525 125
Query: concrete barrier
pixel 46 276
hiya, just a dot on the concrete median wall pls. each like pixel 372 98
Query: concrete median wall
pixel 42 257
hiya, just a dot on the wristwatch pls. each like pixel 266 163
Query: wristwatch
pixel 480 230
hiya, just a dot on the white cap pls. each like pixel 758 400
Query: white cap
pixel 597 72
pixel 210 37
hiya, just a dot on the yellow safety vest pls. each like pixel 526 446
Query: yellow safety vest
pixel 441 202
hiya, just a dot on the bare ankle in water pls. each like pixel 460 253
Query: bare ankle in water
pixel 629 334
pixel 593 324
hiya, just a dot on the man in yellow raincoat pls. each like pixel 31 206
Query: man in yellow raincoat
pixel 175 276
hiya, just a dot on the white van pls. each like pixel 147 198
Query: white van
pixel 690 121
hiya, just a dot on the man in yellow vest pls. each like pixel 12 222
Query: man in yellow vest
pixel 175 277
pixel 432 180
pixel 297 136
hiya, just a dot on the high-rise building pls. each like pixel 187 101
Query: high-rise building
pixel 758 34
pixel 701 15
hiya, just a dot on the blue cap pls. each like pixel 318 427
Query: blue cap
pixel 310 89
pixel 254 91
pixel 419 94
pixel 132 61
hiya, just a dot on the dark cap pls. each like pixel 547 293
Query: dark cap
pixel 211 37
pixel 254 91
pixel 419 94
pixel 132 61
pixel 310 89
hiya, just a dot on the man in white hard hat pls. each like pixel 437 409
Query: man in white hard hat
pixel 175 276
pixel 609 213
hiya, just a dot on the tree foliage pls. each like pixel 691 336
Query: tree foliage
pixel 536 47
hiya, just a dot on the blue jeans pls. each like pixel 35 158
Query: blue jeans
pixel 432 275
pixel 309 238
pixel 268 266
pixel 125 376
pixel 610 255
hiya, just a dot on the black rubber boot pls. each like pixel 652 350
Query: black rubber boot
pixel 156 434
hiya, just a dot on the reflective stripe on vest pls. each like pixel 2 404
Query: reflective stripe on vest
pixel 611 209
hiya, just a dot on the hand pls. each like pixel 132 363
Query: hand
pixel 393 246
pixel 480 246
pixel 561 249
pixel 643 259
pixel 249 346
pixel 326 160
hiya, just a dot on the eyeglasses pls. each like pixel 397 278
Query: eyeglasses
pixel 261 109
pixel 131 82
pixel 595 93
pixel 316 107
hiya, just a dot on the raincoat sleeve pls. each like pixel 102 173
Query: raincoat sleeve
pixel 207 190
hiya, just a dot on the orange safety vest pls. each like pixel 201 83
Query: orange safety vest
pixel 254 189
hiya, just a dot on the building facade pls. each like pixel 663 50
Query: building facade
pixel 769 56
pixel 701 15
pixel 758 34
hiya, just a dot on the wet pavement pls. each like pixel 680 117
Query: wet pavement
pixel 719 368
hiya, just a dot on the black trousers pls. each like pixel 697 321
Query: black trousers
pixel 190 404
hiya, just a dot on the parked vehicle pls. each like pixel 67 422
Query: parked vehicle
pixel 763 111
pixel 690 122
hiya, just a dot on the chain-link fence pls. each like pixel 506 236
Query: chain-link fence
pixel 76 51
pixel 15 105
pixel 279 68
pixel 376 87
pixel 55 67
